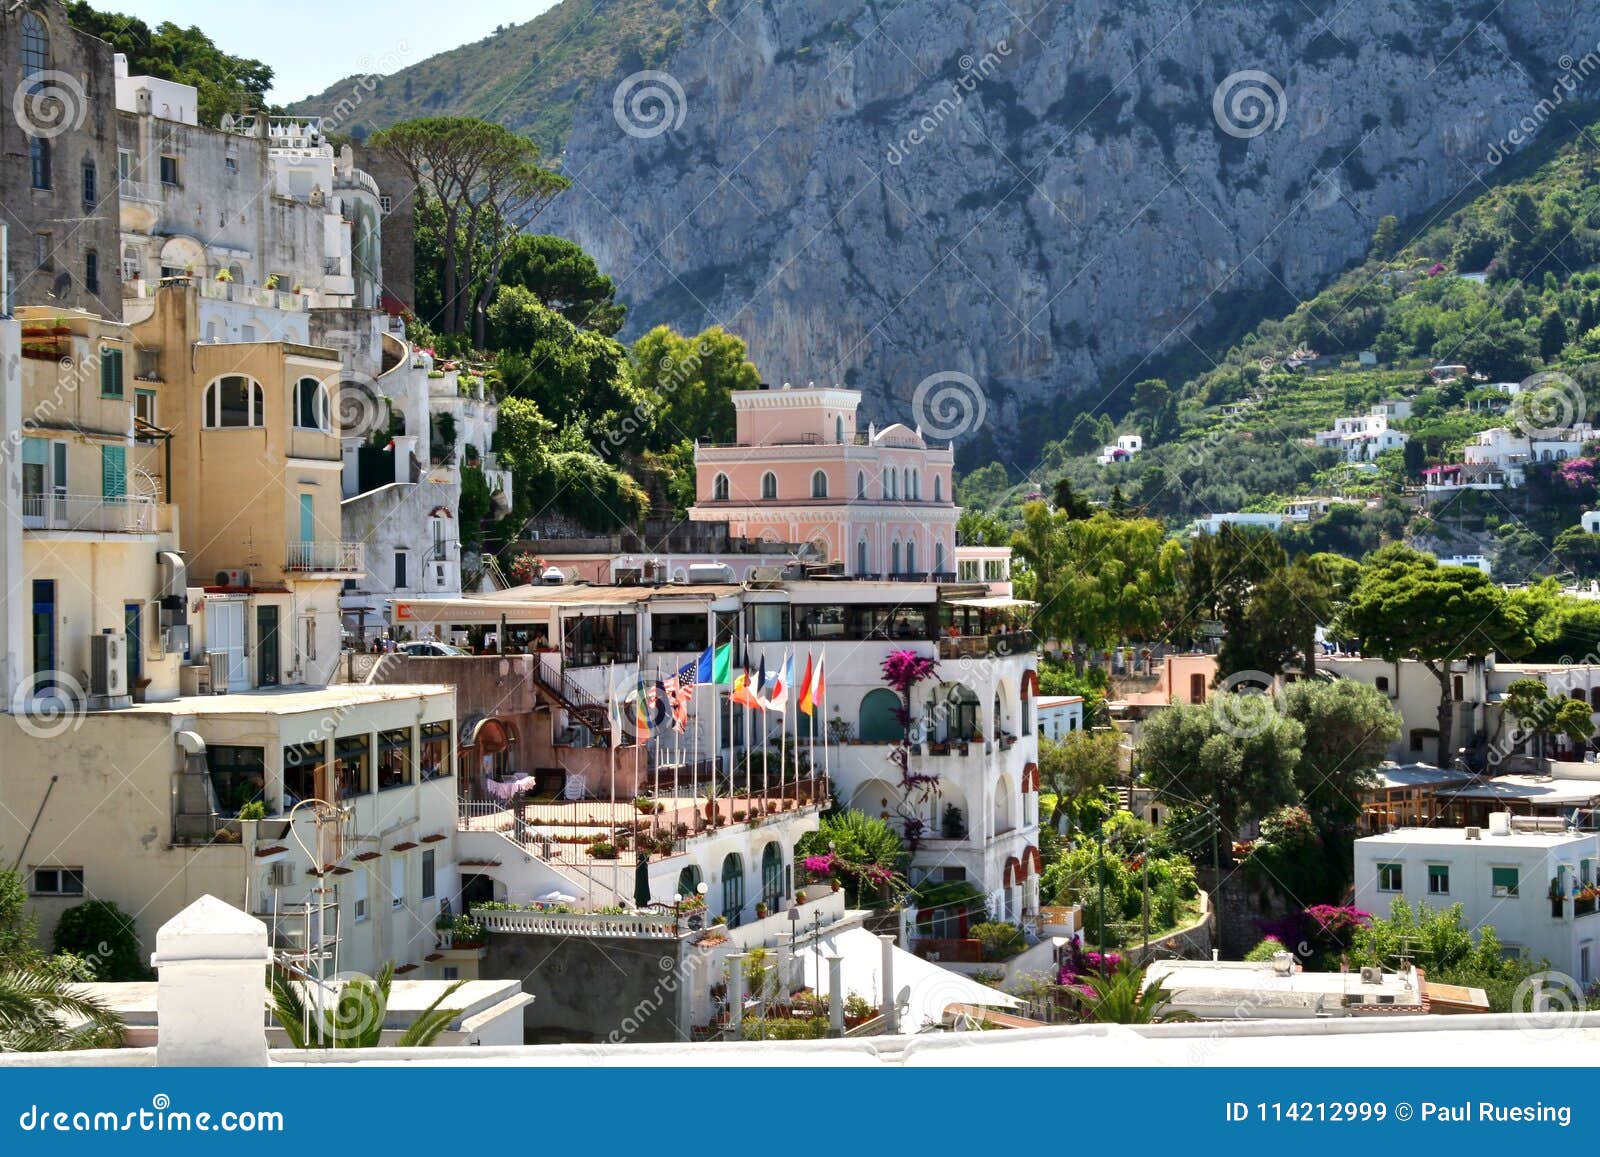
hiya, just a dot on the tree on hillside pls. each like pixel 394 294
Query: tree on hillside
pixel 490 185
pixel 1079 762
pixel 1385 238
pixel 690 382
pixel 1348 727
pixel 1188 756
pixel 1068 501
pixel 225 83
pixel 1224 568
pixel 566 279
pixel 1407 606
pixel 1579 551
pixel 1552 335
pixel 1279 621
pixel 1536 713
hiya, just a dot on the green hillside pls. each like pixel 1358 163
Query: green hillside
pixel 527 77
pixel 1503 281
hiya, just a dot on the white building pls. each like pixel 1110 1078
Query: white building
pixel 1281 990
pixel 1476 561
pixel 1125 447
pixel 1527 884
pixel 1509 451
pixel 1365 436
pixel 1059 715
pixel 1215 522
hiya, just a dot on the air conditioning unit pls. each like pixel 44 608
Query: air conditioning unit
pixel 233 578
pixel 766 574
pixel 1474 833
pixel 282 874
pixel 194 679
pixel 1371 974
pixel 108 668
pixel 218 662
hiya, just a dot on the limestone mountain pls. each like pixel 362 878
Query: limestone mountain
pixel 1044 196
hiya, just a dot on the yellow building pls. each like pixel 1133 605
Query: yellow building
pixel 92 526
pixel 246 439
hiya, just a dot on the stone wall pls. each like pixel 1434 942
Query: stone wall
pixel 595 989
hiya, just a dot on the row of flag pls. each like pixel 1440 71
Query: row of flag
pixel 652 703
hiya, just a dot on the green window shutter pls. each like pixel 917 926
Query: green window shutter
pixel 111 373
pixel 1503 881
pixel 113 471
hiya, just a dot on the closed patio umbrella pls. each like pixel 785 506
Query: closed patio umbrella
pixel 641 882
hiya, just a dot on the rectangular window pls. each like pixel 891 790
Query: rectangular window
pixel 394 758
pixel 353 760
pixel 44 634
pixel 435 750
pixel 110 372
pixel 125 164
pixel 309 637
pixel 358 888
pixel 669 632
pixel 303 764
pixel 397 882
pixel 58 881
pixel 169 170
pixel 144 406
pixel 400 570
pixel 41 251
pixel 90 190
pixel 1389 877
pixel 231 164
pixel 91 271
pixel 427 875
pixel 1438 880
pixel 238 775
pixel 39 162
pixel 385 204
pixel 1503 881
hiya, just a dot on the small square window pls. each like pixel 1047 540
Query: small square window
pixel 1390 877
pixel 169 170
pixel 230 164
pixel 384 204
pixel 1438 879
pixel 1503 882
pixel 58 881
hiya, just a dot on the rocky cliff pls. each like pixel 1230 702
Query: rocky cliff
pixel 1040 194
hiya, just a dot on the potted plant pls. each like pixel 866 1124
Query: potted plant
pixel 272 281
pixel 225 275
pixel 761 910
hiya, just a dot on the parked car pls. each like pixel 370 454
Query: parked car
pixel 431 649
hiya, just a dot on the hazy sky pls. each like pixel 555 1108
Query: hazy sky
pixel 312 43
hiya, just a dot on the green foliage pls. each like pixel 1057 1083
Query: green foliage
pixel 474 506
pixel 355 1019
pixel 1291 859
pixel 868 856
pixel 103 934
pixel 1347 729
pixel 18 928
pixel 565 279
pixel 1000 941
pixel 1122 997
pixel 691 382
pixel 226 83
pixel 1244 769
pixel 1439 942
pixel 1078 875
pixel 1080 762
pixel 1263 952
pixel 40 1012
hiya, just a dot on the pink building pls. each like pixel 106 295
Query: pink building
pixel 878 501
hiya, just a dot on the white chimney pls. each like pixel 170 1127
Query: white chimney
pixel 1500 824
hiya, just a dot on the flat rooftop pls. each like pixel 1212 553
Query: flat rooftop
pixel 1190 979
pixel 1456 837
pixel 285 700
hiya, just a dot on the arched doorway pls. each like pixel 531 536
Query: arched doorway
pixel 879 721
pixel 688 882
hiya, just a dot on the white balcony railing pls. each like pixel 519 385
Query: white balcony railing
pixel 327 558
pixel 128 514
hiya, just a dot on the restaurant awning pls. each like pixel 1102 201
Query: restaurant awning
pixel 924 991
pixel 991 602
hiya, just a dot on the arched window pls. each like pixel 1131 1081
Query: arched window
pixel 861 558
pixel 938 487
pixel 769 485
pixel 719 488
pixel 905 482
pixel 771 875
pixel 838 428
pixel 861 483
pixel 35 45
pixel 732 887
pixel 888 483
pixel 819 484
pixel 894 558
pixel 938 557
pixel 879 721
pixel 233 402
pixel 916 486
pixel 961 712
pixel 1027 707
pixel 39 162
pixel 688 882
pixel 911 557
pixel 311 409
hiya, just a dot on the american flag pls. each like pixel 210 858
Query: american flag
pixel 680 693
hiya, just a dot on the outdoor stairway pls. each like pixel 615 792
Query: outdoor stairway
pixel 579 704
